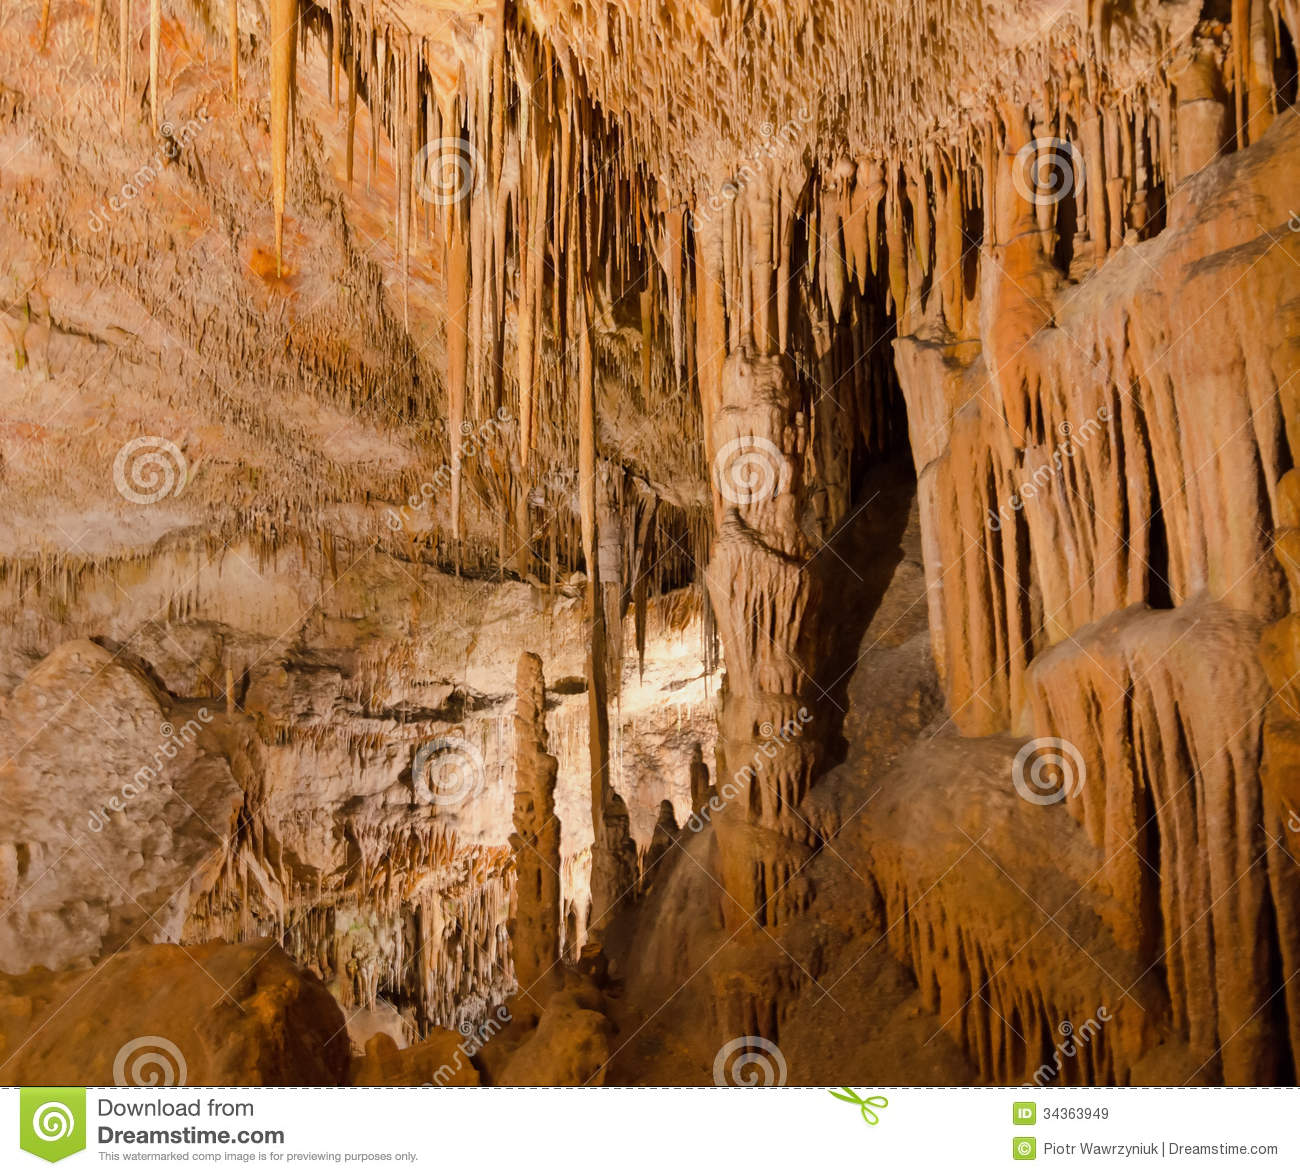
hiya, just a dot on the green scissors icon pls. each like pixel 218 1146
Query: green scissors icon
pixel 868 1106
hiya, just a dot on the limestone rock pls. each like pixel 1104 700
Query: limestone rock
pixel 570 1046
pixel 216 1015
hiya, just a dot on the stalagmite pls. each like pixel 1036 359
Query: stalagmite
pixel 535 921
pixel 765 594
pixel 1024 476
pixel 699 780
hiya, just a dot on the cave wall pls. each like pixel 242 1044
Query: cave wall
pixel 602 361
pixel 1100 497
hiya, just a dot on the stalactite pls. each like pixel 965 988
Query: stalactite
pixel 456 268
pixel 232 35
pixel 284 43
pixel 155 51
pixel 124 59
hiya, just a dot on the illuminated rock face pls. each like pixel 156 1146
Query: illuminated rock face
pixel 215 1015
pixel 870 413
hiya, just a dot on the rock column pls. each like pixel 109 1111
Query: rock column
pixel 765 594
pixel 535 920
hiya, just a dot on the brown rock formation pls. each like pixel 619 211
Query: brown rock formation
pixel 765 595
pixel 216 1015
pixel 535 918
pixel 440 1059
pixel 570 1046
pixel 929 370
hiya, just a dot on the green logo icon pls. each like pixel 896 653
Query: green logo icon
pixel 1024 1147
pixel 52 1121
pixel 1024 1114
pixel 868 1106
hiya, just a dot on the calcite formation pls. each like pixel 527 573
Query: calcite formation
pixel 216 1015
pixel 535 927
pixel 880 420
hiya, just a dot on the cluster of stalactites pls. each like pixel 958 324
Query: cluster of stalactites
pixel 537 218
pixel 567 208
pixel 1085 164
pixel 417 917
